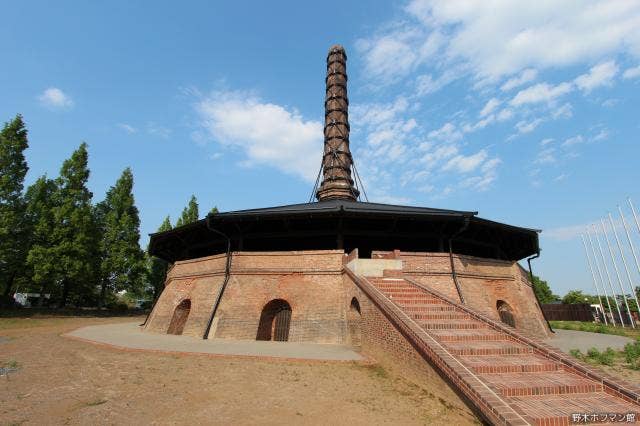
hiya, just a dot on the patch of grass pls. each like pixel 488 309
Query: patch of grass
pixel 632 354
pixel 378 371
pixel 12 363
pixel 95 402
pixel 576 353
pixel 606 357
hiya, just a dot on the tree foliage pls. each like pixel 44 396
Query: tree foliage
pixel 157 269
pixel 41 268
pixel 54 240
pixel 13 227
pixel 190 213
pixel 543 291
pixel 577 296
pixel 75 230
pixel 122 261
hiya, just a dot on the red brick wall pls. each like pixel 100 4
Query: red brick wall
pixel 310 281
pixel 382 341
pixel 482 281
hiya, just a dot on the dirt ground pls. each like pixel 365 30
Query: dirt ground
pixel 64 381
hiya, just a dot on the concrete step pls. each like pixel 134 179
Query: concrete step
pixel 540 383
pixel 471 336
pixel 560 409
pixel 509 363
pixel 487 348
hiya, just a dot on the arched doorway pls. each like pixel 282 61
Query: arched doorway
pixel 179 319
pixel 275 321
pixel 354 317
pixel 506 313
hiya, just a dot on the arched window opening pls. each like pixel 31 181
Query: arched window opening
pixel 354 319
pixel 506 313
pixel 275 321
pixel 179 319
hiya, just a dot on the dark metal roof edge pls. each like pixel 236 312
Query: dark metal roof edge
pixel 195 224
pixel 505 225
pixel 333 206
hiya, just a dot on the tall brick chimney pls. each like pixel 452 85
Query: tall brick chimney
pixel 336 161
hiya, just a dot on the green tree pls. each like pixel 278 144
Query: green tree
pixel 157 268
pixel 190 213
pixel 577 296
pixel 122 260
pixel 13 230
pixel 41 267
pixel 75 232
pixel 543 291
pixel 214 211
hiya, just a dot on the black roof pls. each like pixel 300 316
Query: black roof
pixel 345 224
pixel 347 206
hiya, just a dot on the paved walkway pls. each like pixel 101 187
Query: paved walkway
pixel 130 336
pixel 565 340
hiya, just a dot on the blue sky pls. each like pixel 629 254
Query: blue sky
pixel 524 111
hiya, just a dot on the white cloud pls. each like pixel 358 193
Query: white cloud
pixel 599 75
pixel 503 37
pixel 55 98
pixel 394 54
pixel 127 128
pixel 565 233
pixel 490 106
pixel 426 83
pixel 465 164
pixel 631 72
pixel 268 134
pixel 602 135
pixel 377 114
pixel 528 127
pixel 155 129
pixel 432 158
pixel 575 140
pixel 541 92
pixel 546 156
pixel 505 114
pixel 525 76
pixel 560 177
pixel 565 111
pixel 447 133
pixel 488 174
pixel 546 141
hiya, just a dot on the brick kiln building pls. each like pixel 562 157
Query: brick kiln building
pixel 438 293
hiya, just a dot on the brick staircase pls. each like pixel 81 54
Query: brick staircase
pixel 510 378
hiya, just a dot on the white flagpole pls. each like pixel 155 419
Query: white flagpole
pixel 604 287
pixel 615 267
pixel 633 250
pixel 606 270
pixel 626 230
pixel 634 214
pixel 624 261
pixel 593 276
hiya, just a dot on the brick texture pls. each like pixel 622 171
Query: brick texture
pixel 310 281
pixel 483 283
